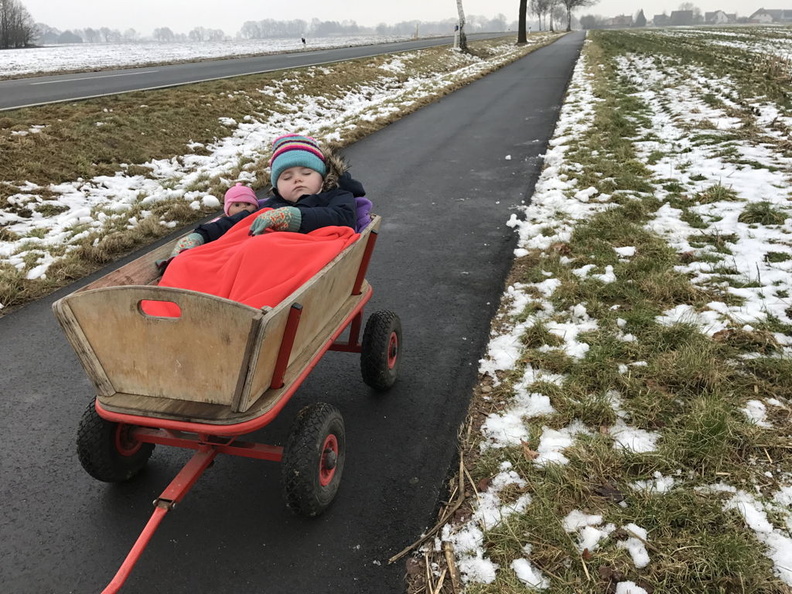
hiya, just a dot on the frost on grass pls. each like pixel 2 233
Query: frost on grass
pixel 92 207
pixel 776 540
pixel 724 206
pixel 468 539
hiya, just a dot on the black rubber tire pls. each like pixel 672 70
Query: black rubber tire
pixel 313 459
pixel 98 449
pixel 381 350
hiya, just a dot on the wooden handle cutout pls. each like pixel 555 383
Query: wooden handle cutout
pixel 159 309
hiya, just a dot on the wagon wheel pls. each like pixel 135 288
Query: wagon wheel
pixel 313 459
pixel 107 450
pixel 381 349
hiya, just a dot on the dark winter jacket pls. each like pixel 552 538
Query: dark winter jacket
pixel 335 205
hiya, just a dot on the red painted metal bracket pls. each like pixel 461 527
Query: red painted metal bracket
pixel 230 446
pixel 292 323
pixel 361 275
pixel 352 343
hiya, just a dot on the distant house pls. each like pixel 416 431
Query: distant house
pixel 620 21
pixel 661 20
pixel 681 18
pixel 771 16
pixel 717 17
pixel 761 16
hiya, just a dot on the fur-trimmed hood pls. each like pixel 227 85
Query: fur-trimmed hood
pixel 336 167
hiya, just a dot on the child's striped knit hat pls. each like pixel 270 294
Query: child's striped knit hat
pixel 293 150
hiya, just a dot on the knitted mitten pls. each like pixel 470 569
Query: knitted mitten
pixel 287 218
pixel 163 264
pixel 187 243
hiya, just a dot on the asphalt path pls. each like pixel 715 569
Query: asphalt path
pixel 40 90
pixel 445 179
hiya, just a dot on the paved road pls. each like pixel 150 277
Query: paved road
pixel 27 92
pixel 445 185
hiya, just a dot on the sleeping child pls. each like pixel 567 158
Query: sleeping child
pixel 258 258
pixel 311 188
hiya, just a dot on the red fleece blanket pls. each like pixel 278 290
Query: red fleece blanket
pixel 255 270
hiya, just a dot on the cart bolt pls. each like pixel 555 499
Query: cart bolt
pixel 164 503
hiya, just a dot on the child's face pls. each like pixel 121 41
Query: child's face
pixel 236 207
pixel 295 182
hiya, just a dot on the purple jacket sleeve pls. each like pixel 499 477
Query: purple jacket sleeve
pixel 362 213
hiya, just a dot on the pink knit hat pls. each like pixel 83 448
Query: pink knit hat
pixel 239 193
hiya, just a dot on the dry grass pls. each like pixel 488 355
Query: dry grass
pixel 674 381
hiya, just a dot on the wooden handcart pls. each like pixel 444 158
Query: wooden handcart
pixel 218 371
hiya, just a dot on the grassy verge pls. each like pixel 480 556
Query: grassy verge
pixel 628 445
pixel 84 183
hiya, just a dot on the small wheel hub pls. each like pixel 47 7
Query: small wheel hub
pixel 125 443
pixel 331 459
pixel 328 461
pixel 393 350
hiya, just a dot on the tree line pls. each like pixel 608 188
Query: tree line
pixel 16 25
pixel 552 15
pixel 43 34
pixel 17 28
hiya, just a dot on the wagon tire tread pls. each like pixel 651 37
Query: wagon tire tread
pixel 303 492
pixel 97 452
pixel 381 350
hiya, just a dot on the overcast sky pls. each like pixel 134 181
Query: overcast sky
pixel 229 15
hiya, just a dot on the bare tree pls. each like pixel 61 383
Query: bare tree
pixel 16 25
pixel 460 41
pixel 558 12
pixel 92 35
pixel 110 35
pixel 571 5
pixel 164 34
pixel 540 9
pixel 551 4
pixel 522 38
pixel 697 18
pixel 250 30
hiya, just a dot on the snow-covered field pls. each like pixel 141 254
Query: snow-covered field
pixel 773 40
pixel 92 56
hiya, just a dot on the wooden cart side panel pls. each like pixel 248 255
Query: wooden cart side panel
pixel 195 357
pixel 141 271
pixel 323 295
pixel 200 412
pixel 81 345
pixel 322 306
pixel 320 298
